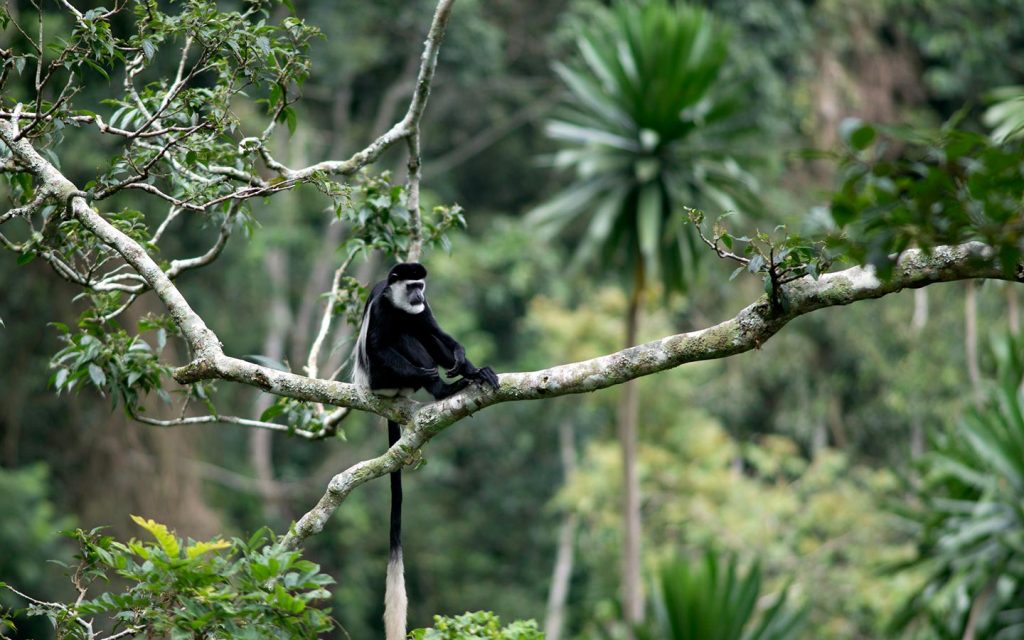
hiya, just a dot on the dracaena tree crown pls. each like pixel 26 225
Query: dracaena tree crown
pixel 647 128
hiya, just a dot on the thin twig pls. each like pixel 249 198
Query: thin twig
pixel 325 321
pixel 722 253
pixel 180 266
pixel 219 419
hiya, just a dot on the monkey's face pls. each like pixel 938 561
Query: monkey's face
pixel 408 295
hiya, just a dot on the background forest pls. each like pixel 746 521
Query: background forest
pixel 817 466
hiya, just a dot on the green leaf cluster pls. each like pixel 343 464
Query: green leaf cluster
pixel 478 625
pixel 778 257
pixel 182 589
pixel 118 364
pixel 298 415
pixel 903 187
pixel 377 212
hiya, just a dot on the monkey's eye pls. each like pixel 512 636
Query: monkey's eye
pixel 415 286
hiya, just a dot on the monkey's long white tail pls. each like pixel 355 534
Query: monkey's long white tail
pixel 396 604
pixel 395 601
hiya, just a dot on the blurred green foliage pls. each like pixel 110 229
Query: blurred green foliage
pixel 29 537
pixel 781 456
pixel 903 187
pixel 817 525
pixel 967 516
pixel 1006 114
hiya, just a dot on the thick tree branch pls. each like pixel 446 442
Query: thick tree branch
pixel 748 330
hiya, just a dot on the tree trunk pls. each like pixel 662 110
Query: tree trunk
pixel 920 319
pixel 971 335
pixel 632 598
pixel 559 594
pixel 917 325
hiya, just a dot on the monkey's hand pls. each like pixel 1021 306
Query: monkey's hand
pixel 465 368
pixel 427 372
pixel 484 375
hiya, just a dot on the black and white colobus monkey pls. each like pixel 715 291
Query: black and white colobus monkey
pixel 399 350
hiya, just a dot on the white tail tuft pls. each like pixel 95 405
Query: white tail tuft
pixel 395 601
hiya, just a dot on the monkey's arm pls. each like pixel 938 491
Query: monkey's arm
pixel 397 364
pixel 443 349
pixel 448 353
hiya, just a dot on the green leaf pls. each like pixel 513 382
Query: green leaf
pixel 163 536
pixel 649 222
pixel 756 263
pixel 843 213
pixel 148 49
pixel 98 69
pixel 97 376
pixel 197 549
pixel 291 119
pixel 862 137
pixel 272 412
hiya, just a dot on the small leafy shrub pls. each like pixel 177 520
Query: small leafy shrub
pixel 478 625
pixel 181 589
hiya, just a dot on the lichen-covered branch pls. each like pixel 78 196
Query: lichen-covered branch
pixel 748 330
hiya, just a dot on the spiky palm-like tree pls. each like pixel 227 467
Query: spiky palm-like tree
pixel 968 510
pixel 715 599
pixel 648 129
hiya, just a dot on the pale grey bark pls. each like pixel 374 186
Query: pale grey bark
pixel 920 318
pixel 628 425
pixel 554 620
pixel 917 325
pixel 971 335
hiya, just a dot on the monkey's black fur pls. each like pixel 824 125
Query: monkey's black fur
pixel 399 350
